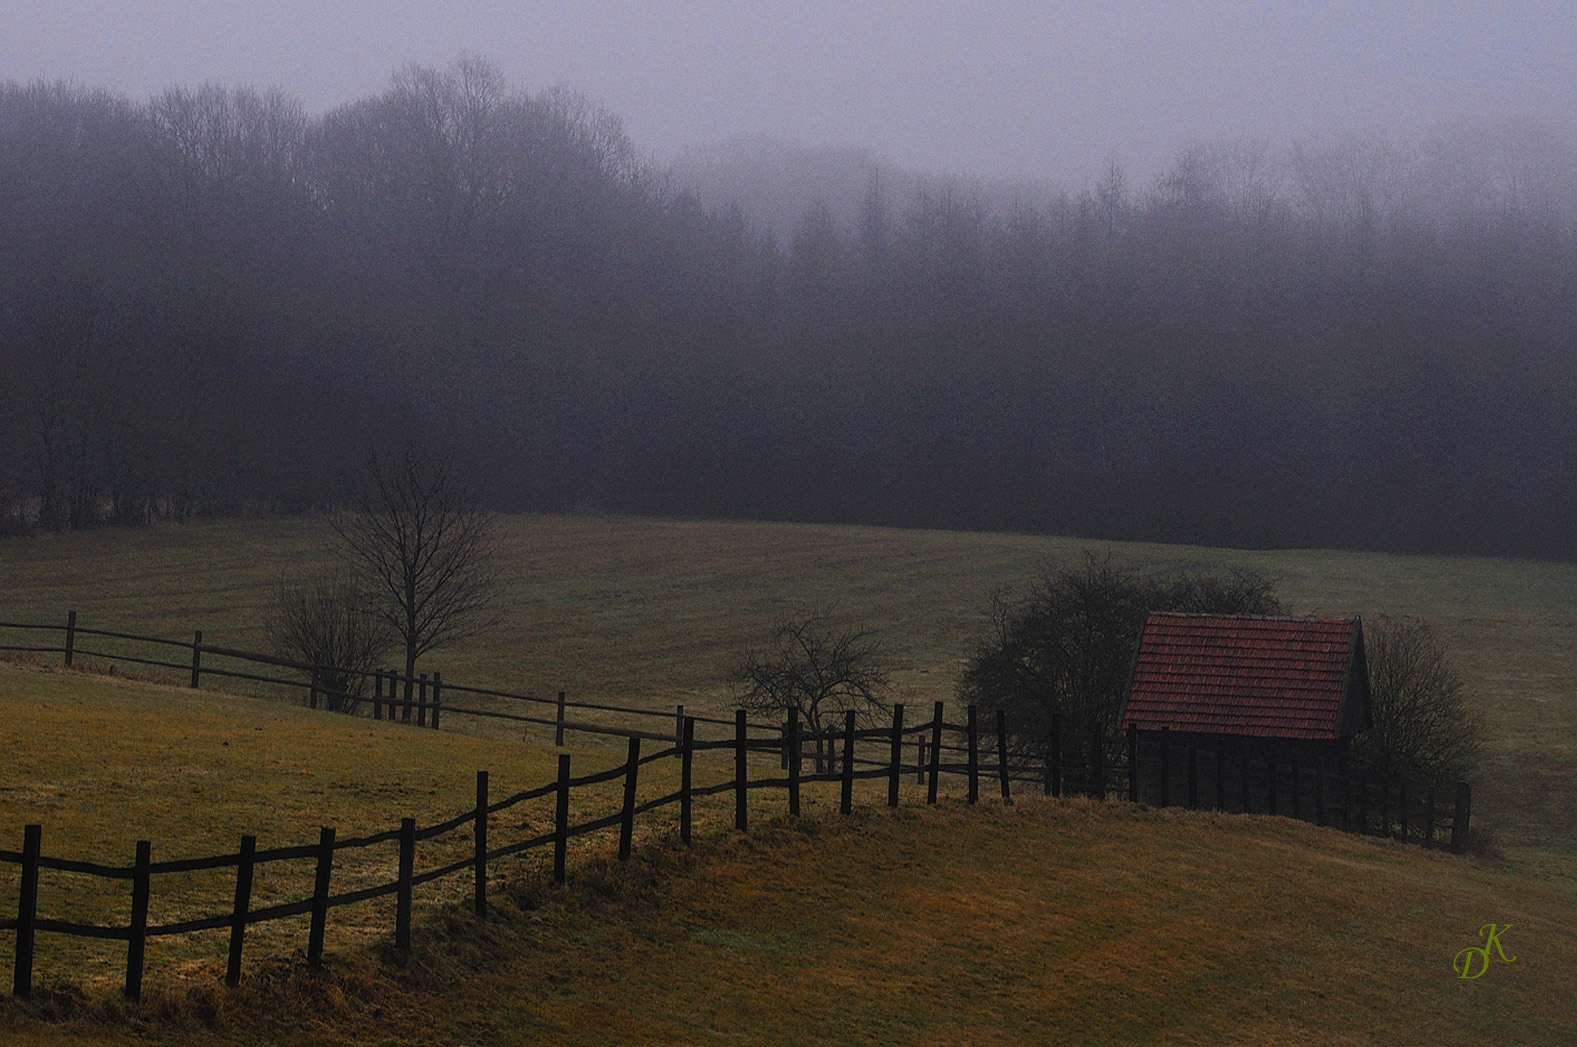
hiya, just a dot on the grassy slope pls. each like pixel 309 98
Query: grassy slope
pixel 1047 922
pixel 1069 922
pixel 651 612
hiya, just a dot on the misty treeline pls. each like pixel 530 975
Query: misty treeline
pixel 214 302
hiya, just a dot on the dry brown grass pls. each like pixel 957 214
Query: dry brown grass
pixel 652 612
pixel 1043 922
pixel 1056 922
pixel 985 926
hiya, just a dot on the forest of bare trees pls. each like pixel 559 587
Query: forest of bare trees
pixel 214 303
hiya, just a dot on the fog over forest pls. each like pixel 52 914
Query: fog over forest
pixel 212 303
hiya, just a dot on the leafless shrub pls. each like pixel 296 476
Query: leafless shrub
pixel 419 540
pixel 324 619
pixel 1423 731
pixel 816 665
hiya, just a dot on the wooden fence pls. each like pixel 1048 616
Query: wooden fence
pixel 843 763
pixel 1208 772
pixel 1203 771
pixel 940 748
pixel 423 699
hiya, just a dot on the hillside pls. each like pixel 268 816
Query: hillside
pixel 1049 921
pixel 1045 922
pixel 652 613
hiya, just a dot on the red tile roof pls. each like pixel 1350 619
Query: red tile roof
pixel 1262 677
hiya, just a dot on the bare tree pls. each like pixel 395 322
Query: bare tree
pixel 1423 731
pixel 418 533
pixel 813 664
pixel 1112 192
pixel 1067 646
pixel 323 620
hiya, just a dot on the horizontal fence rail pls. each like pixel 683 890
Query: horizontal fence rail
pixel 843 763
pixel 983 753
pixel 421 699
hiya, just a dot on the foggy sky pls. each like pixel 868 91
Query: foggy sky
pixel 1009 88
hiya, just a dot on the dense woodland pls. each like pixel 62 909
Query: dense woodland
pixel 213 302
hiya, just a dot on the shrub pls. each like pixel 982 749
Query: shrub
pixel 323 619
pixel 813 664
pixel 1068 646
pixel 1423 732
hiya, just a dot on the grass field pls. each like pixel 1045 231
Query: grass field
pixel 652 613
pixel 1045 922
pixel 102 763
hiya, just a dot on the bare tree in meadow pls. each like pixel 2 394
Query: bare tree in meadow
pixel 418 533
pixel 1423 729
pixel 816 666
pixel 322 620
pixel 1067 646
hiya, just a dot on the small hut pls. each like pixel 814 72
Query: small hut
pixel 1294 689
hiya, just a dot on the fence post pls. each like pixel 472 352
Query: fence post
pixel 421 701
pixel 741 770
pixel 1459 819
pixel 320 897
pixel 377 695
pixel 1193 773
pixel 137 943
pixel 1002 751
pixel 71 635
pixel 1319 791
pixel 1133 763
pixel 410 695
pixel 936 754
pixel 438 686
pixel 678 724
pixel 847 804
pixel 632 766
pixel 243 903
pixel 974 754
pixel 402 893
pixel 1244 783
pixel 919 759
pixel 686 767
pixel 558 729
pixel 896 760
pixel 1221 776
pixel 1054 766
pixel 1098 763
pixel 481 845
pixel 561 820
pixel 27 912
pixel 1166 767
pixel 197 658
pixel 791 744
pixel 1429 826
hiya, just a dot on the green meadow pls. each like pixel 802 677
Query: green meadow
pixel 651 613
pixel 1047 921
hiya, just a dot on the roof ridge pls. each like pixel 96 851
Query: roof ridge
pixel 1253 617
